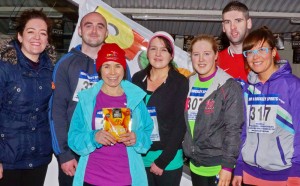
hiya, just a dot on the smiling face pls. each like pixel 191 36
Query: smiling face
pixel 263 63
pixel 203 58
pixel 112 74
pixel 34 38
pixel 93 29
pixel 236 26
pixel 158 55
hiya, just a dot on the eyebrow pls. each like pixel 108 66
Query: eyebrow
pixel 35 29
pixel 88 22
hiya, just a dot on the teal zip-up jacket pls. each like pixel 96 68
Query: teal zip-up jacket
pixel 81 137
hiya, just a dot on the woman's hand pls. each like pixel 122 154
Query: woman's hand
pixel 156 170
pixel 237 181
pixel 224 178
pixel 1 170
pixel 105 138
pixel 129 139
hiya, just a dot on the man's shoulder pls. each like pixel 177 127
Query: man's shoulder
pixel 223 53
pixel 70 57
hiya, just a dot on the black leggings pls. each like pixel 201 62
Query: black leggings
pixel 24 177
pixel 203 180
pixel 168 178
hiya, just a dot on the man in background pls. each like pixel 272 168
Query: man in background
pixel 236 25
pixel 74 72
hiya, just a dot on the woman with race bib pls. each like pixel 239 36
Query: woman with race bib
pixel 270 153
pixel 110 127
pixel 214 117
pixel 166 93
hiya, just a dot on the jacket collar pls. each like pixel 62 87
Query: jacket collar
pixel 284 68
pixel 133 93
pixel 11 52
pixel 220 79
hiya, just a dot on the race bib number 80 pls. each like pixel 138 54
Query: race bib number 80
pixel 194 100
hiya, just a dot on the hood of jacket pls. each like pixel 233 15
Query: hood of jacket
pixel 8 51
pixel 284 69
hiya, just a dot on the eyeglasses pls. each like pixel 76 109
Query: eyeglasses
pixel 260 51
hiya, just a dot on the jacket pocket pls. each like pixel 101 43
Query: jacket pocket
pixel 250 148
pixel 11 149
pixel 280 151
pixel 44 143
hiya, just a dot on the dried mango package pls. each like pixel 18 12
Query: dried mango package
pixel 117 121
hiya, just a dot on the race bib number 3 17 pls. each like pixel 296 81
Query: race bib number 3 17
pixel 262 110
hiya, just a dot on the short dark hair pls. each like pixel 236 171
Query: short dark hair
pixel 82 19
pixel 237 6
pixel 29 14
pixel 262 34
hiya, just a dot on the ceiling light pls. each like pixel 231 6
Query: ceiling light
pixel 279 41
pixel 176 17
pixel 295 20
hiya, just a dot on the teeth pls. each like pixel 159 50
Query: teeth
pixel 234 34
pixel 257 63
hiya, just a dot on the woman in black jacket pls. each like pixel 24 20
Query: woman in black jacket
pixel 166 94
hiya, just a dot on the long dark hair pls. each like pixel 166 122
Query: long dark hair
pixel 170 51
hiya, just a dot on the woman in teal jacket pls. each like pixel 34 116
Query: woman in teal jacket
pixel 90 142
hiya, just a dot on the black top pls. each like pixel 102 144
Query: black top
pixel 169 100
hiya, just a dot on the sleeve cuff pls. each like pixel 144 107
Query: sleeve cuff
pixel 161 163
pixel 227 169
pixel 65 157
pixel 238 170
pixel 93 138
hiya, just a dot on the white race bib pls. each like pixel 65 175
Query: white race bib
pixel 85 81
pixel 99 120
pixel 262 110
pixel 194 100
pixel 155 133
